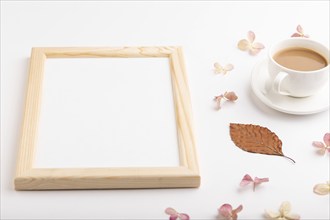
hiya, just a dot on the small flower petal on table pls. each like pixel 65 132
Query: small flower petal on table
pixel 322 188
pixel 230 96
pixel 326 139
pixel 224 70
pixel 249 45
pixel 227 96
pixel 247 179
pixel 174 215
pixel 283 213
pixel 244 44
pixel 323 147
pixel 300 32
pixel 227 211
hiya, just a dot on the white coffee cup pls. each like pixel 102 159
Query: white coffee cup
pixel 297 83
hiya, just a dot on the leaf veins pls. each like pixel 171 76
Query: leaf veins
pixel 256 139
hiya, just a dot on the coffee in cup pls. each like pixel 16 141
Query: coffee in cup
pixel 298 67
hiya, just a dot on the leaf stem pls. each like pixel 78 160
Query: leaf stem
pixel 289 158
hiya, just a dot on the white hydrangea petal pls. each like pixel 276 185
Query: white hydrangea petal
pixel 244 44
pixel 285 208
pixel 293 216
pixel 322 189
pixel 272 215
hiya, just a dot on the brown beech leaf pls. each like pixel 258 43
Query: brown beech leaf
pixel 256 139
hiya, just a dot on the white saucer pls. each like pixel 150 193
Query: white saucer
pixel 298 106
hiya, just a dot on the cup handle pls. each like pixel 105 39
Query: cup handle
pixel 278 82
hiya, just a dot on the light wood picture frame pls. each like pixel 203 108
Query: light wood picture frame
pixel 184 175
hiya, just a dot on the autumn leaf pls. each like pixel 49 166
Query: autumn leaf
pixel 256 139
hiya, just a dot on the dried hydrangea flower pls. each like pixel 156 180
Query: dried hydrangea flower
pixel 220 69
pixel 230 96
pixel 283 213
pixel 322 188
pixel 247 179
pixel 323 147
pixel 227 211
pixel 248 44
pixel 174 215
pixel 227 96
pixel 300 32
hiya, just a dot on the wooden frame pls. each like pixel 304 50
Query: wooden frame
pixel 185 175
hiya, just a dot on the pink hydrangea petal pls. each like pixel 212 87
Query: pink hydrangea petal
pixel 296 35
pixel 260 180
pixel 326 139
pixel 238 209
pixel 244 44
pixel 231 96
pixel 258 45
pixel 225 210
pixel 300 29
pixel 218 99
pixel 171 211
pixel 318 144
pixel 234 216
pixel 251 36
pixel 229 67
pixel 173 217
pixel 246 180
pixel 328 150
pixel 244 183
pixel 184 216
pixel 247 177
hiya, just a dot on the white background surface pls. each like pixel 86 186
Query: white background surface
pixel 115 112
pixel 209 32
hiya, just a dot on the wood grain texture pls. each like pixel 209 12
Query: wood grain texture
pixel 183 111
pixel 107 178
pixel 186 175
pixel 31 113
pixel 118 52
